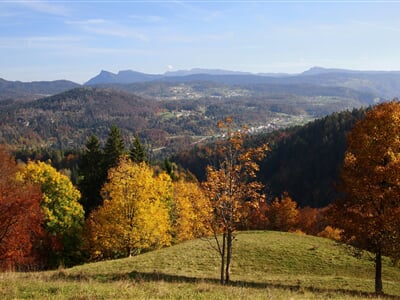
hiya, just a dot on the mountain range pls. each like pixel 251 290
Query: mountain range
pixel 130 76
pixel 382 84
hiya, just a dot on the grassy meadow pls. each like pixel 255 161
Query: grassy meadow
pixel 266 265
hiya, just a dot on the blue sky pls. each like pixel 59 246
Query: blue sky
pixel 75 40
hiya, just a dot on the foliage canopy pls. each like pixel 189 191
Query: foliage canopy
pixel 369 212
pixel 134 215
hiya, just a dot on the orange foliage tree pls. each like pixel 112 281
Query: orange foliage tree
pixel 258 217
pixel 282 214
pixel 369 212
pixel 232 190
pixel 20 218
pixel 312 220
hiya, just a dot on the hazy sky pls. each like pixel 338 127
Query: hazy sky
pixel 75 40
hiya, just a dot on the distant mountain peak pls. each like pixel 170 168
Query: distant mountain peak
pixel 104 76
pixel 320 70
pixel 123 77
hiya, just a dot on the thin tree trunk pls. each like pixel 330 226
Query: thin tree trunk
pixel 223 258
pixel 378 273
pixel 228 256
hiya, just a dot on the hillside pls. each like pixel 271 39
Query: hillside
pixel 306 161
pixel 265 264
pixel 67 119
pixel 27 91
pixel 303 160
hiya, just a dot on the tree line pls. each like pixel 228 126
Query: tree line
pixel 119 203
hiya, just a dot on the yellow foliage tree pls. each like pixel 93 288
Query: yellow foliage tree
pixel 60 198
pixel 134 215
pixel 369 212
pixel 190 211
pixel 63 214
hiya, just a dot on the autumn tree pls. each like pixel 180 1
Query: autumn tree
pixel 232 190
pixel 309 220
pixel 283 213
pixel 190 210
pixel 258 217
pixel 21 218
pixel 134 215
pixel 369 212
pixel 63 214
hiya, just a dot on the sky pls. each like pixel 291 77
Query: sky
pixel 75 40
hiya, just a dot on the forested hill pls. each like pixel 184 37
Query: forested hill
pixel 67 119
pixel 304 160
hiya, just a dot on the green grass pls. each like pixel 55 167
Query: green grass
pixel 266 265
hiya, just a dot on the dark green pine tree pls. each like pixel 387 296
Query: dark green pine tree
pixel 91 175
pixel 137 152
pixel 114 148
pixel 170 168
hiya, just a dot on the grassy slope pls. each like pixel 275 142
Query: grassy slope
pixel 266 265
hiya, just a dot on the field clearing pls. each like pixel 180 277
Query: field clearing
pixel 266 265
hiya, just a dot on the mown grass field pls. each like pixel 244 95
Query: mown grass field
pixel 266 265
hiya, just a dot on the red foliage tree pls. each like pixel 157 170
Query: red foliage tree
pixel 307 220
pixel 258 216
pixel 20 218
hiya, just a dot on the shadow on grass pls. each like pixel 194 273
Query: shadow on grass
pixel 157 276
pixel 154 276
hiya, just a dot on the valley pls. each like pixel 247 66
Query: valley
pixel 171 113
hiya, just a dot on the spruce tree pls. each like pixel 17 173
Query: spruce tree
pixel 138 152
pixel 94 166
pixel 91 175
pixel 114 148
